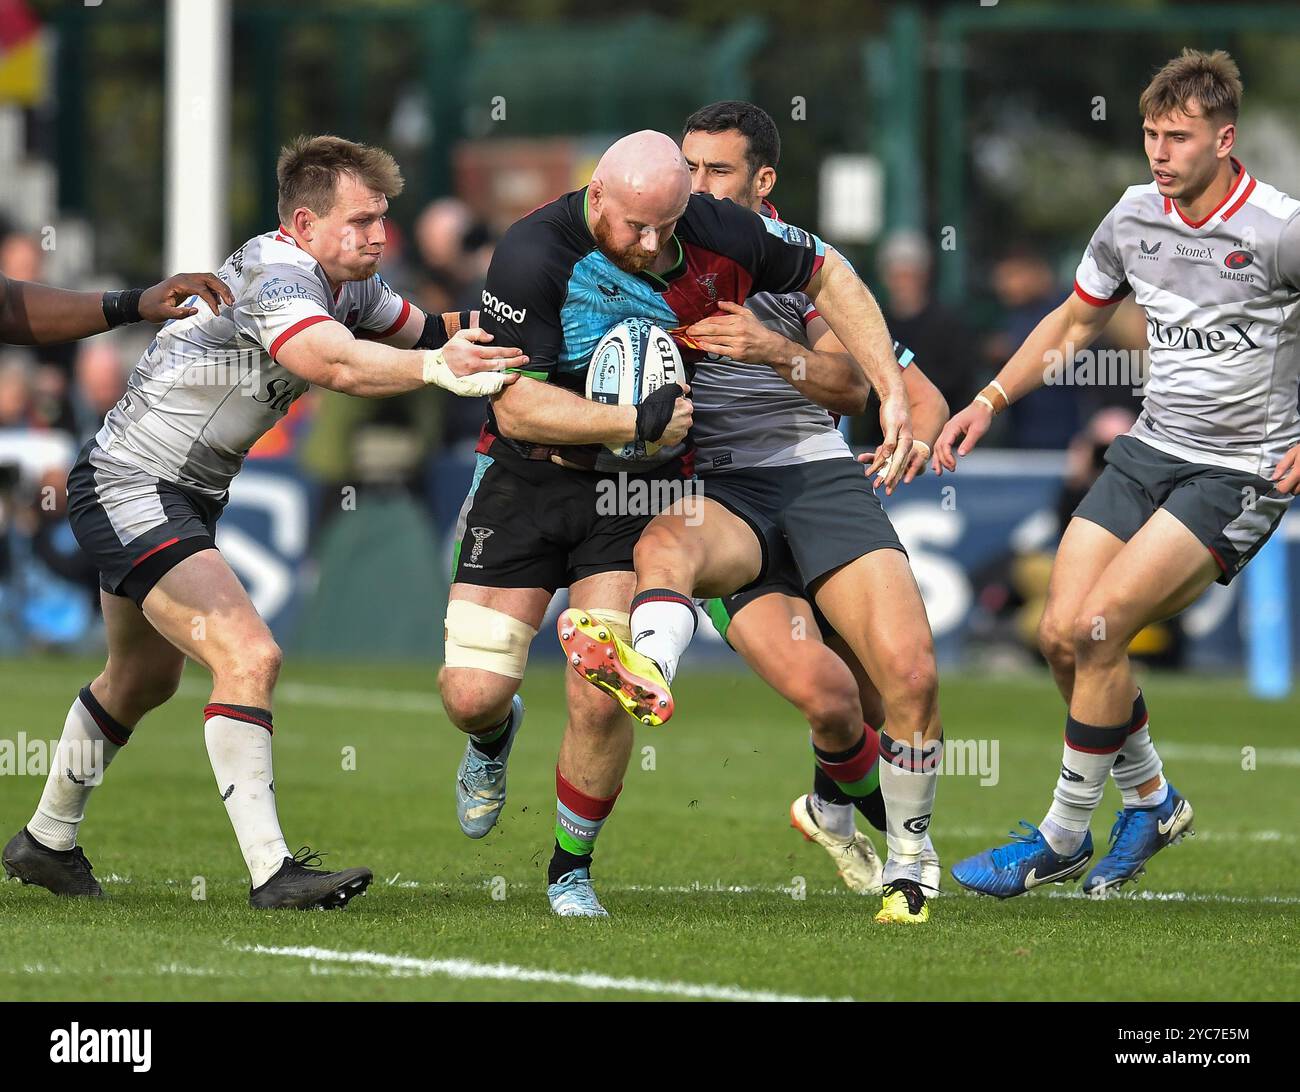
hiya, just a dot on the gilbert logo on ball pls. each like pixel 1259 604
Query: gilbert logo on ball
pixel 633 360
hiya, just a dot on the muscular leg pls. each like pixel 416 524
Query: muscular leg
pixel 477 699
pixel 778 637
pixel 142 672
pixel 703 550
pixel 202 609
pixel 875 605
pixel 1159 572
pixel 873 706
pixel 1086 550
pixel 596 746
pixel 489 631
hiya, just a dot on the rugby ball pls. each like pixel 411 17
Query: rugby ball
pixel 633 360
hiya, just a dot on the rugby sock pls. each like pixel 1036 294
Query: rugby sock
pixel 663 622
pixel 1138 764
pixel 578 819
pixel 1090 752
pixel 239 748
pixel 852 777
pixel 871 806
pixel 833 817
pixel 90 740
pixel 908 779
pixel 492 742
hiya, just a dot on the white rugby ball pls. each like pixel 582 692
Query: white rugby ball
pixel 633 360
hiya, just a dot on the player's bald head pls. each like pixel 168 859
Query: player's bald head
pixel 645 175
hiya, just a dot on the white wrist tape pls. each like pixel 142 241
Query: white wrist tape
pixel 474 385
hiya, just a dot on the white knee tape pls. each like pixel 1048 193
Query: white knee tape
pixel 486 639
pixel 617 620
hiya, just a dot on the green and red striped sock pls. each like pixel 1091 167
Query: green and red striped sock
pixel 578 819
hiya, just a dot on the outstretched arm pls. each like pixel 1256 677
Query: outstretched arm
pixel 852 313
pixel 36 314
pixel 1070 327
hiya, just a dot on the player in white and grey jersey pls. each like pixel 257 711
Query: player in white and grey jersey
pixel 146 493
pixel 749 415
pixel 1196 487
pixel 788 513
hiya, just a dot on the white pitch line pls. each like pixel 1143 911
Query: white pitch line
pixel 1177 896
pixel 469 969
pixel 1219 753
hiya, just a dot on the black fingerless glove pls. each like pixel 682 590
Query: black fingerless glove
pixel 653 415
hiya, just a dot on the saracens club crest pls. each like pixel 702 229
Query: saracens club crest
pixel 481 535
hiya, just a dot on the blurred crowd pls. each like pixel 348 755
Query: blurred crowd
pixel 52 400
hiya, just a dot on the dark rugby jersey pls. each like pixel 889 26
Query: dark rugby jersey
pixel 551 292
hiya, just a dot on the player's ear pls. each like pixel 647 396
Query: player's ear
pixel 765 181
pixel 1227 137
pixel 303 222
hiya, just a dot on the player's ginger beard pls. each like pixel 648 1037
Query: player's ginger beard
pixel 630 259
pixel 641 175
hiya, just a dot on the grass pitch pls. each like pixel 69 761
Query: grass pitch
pixel 712 894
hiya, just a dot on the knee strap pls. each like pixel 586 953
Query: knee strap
pixel 486 639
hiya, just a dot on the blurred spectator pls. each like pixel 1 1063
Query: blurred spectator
pixel 1026 288
pixel 21 257
pixel 940 339
pixel 49 383
pixel 453 251
pixel 1085 458
pixel 15 391
pixel 100 381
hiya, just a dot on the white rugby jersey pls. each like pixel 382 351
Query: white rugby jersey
pixel 208 386
pixel 1222 301
pixel 748 415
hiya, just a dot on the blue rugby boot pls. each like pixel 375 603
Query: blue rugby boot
pixel 1024 863
pixel 481 781
pixel 572 896
pixel 1137 836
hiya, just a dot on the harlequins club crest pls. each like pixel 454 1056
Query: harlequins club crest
pixel 481 535
pixel 709 282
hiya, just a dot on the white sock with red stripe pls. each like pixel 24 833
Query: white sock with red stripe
pixel 239 747
pixel 90 740
pixel 1090 752
pixel 1138 763
pixel 663 622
